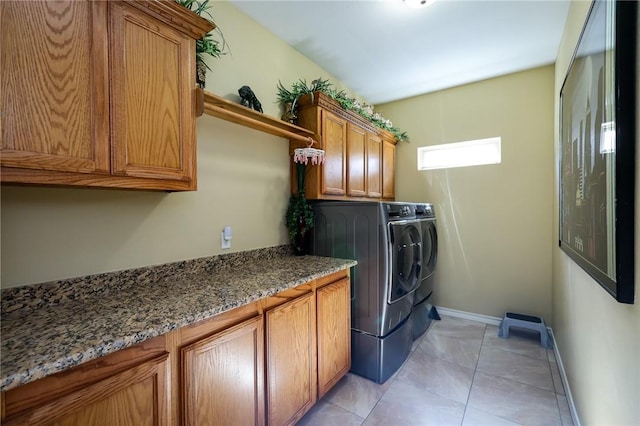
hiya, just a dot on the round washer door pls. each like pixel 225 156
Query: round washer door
pixel 406 259
pixel 429 248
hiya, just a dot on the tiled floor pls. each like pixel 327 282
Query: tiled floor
pixel 459 373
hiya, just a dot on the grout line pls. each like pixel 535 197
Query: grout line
pixel 341 408
pixel 473 379
pixel 553 383
pixel 565 381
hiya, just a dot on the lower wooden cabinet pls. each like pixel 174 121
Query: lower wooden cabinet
pixel 334 333
pixel 263 363
pixel 291 369
pixel 137 396
pixel 222 377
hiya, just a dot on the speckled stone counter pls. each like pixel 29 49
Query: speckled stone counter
pixel 49 327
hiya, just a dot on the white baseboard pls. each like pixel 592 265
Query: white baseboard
pixel 469 316
pixel 565 381
pixel 496 321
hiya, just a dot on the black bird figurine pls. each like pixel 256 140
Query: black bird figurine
pixel 248 98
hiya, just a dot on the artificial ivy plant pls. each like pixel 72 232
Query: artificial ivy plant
pixel 289 99
pixel 207 45
pixel 299 216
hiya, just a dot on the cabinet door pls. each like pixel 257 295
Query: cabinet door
pixel 334 334
pixel 356 160
pixel 374 166
pixel 334 139
pixel 152 104
pixel 222 377
pixel 291 360
pixel 54 85
pixel 388 170
pixel 136 397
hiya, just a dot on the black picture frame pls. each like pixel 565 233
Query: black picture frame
pixel 597 148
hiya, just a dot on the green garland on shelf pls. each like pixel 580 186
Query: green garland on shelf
pixel 299 88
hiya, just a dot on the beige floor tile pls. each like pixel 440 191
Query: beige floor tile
pixel 325 414
pixel 419 340
pixel 565 412
pixel 476 417
pixel 458 328
pixel 514 401
pixel 357 394
pixel 404 404
pixel 511 365
pixel 464 352
pixel 444 378
pixel 516 382
pixel 521 342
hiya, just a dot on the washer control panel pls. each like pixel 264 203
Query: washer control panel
pixel 397 211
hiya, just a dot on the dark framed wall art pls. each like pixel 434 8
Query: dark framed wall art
pixel 597 148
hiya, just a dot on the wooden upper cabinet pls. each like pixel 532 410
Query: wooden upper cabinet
pixel 388 168
pixel 54 96
pixel 330 132
pixel 356 160
pixel 151 103
pixel 354 166
pixel 99 93
pixel 223 377
pixel 374 166
pixel 334 143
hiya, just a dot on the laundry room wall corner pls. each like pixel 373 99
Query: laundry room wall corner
pixel 494 221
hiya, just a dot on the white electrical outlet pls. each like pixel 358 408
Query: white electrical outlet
pixel 225 238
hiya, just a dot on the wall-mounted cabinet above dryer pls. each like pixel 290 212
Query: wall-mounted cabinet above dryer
pixel 359 157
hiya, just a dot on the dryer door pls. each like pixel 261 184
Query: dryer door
pixel 406 259
pixel 429 248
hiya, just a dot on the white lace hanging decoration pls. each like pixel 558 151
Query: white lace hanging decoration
pixel 302 155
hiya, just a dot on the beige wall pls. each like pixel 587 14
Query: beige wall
pixel 494 221
pixel 598 338
pixel 243 181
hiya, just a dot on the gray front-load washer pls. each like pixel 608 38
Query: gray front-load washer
pixel 385 239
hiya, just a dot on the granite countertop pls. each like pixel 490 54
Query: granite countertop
pixel 50 327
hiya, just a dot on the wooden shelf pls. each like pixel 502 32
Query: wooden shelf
pixel 222 108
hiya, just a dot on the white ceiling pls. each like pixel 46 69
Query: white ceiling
pixel 385 51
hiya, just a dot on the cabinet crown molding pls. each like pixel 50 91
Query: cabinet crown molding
pixel 176 16
pixel 325 101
